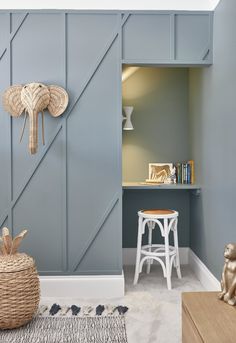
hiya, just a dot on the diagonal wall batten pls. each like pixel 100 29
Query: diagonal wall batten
pixel 68 112
pixel 71 107
pixel 11 36
pixel 96 231
pixel 29 176
pixel 65 116
pixel 94 174
pixel 22 28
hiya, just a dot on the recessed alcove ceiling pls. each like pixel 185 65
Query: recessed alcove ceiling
pixel 128 71
pixel 188 5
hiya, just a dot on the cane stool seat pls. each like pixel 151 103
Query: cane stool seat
pixel 157 213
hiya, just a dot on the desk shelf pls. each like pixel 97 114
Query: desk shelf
pixel 141 185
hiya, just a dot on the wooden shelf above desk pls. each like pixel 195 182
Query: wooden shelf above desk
pixel 142 185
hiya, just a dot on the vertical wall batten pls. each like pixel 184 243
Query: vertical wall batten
pixel 172 37
pixel 124 19
pixel 9 48
pixel 64 181
pixel 65 46
pixel 211 22
pixel 119 117
pixel 8 51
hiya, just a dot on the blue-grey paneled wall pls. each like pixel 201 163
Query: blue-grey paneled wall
pixel 179 38
pixel 69 194
pixel 213 123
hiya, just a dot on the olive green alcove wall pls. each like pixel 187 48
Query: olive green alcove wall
pixel 161 134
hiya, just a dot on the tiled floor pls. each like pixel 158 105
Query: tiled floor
pixel 154 314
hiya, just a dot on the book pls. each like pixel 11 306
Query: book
pixel 192 177
pixel 188 173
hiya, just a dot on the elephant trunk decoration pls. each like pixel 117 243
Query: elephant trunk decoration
pixel 34 98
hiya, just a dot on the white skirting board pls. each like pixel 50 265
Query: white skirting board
pixel 112 286
pixel 187 256
pixel 207 279
pixel 86 287
pixel 129 256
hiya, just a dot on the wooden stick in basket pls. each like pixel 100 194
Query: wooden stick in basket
pixel 17 241
pixel 7 240
pixel 2 248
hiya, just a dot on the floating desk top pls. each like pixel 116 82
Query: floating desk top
pixel 143 185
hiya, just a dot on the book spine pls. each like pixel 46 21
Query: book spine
pixel 185 173
pixel 188 173
pixel 192 167
pixel 178 172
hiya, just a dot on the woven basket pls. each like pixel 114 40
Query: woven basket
pixel 19 290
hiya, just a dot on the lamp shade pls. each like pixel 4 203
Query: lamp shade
pixel 128 123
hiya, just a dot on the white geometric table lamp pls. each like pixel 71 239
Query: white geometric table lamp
pixel 128 112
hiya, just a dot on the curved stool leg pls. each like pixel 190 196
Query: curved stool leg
pixel 151 226
pixel 138 253
pixel 177 261
pixel 167 254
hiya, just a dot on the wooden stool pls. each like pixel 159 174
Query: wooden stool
pixel 167 221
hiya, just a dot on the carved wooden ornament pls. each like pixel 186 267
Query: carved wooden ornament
pixel 34 98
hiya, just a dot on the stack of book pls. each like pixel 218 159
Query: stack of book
pixel 185 172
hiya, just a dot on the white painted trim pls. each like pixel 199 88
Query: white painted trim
pixel 187 256
pixel 112 286
pixel 86 287
pixel 188 5
pixel 129 256
pixel 207 279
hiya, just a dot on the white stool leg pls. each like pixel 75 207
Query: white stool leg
pixel 177 263
pixel 151 226
pixel 167 253
pixel 138 254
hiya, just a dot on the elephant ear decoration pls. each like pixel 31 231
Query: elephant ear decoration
pixel 12 100
pixel 34 98
pixel 58 100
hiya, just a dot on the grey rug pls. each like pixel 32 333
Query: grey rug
pixel 107 329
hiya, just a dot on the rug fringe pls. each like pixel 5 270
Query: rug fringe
pixel 84 311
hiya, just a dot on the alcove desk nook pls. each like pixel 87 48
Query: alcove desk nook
pixel 159 96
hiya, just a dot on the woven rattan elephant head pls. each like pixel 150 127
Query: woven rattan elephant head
pixel 34 98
